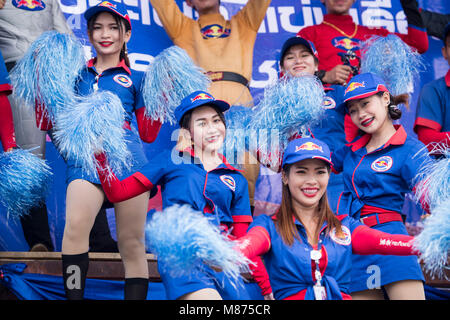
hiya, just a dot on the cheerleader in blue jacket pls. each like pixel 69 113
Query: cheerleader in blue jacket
pixel 306 247
pixel 109 30
pixel 195 173
pixel 378 170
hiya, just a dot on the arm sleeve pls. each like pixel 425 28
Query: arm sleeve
pixel 117 190
pixel 434 22
pixel 255 243
pixel 429 135
pixel 147 127
pixel 240 207
pixel 412 13
pixel 350 129
pixel 337 158
pixel 259 271
pixel 253 13
pixel 429 111
pixel 367 241
pixel 59 21
pixel 43 122
pixel 7 135
pixel 417 158
pixel 173 20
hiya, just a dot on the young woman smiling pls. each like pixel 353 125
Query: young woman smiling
pixel 194 173
pixel 378 170
pixel 109 29
pixel 306 247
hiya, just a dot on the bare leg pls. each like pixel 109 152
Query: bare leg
pixel 130 220
pixel 202 294
pixel 374 294
pixel 405 290
pixel 83 201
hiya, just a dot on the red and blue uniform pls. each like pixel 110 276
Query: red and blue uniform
pixel 291 270
pixel 221 194
pixel 7 136
pixel 375 186
pixel 433 112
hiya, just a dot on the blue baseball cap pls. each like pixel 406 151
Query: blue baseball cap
pixel 197 99
pixel 306 148
pixel 364 85
pixel 295 41
pixel 106 6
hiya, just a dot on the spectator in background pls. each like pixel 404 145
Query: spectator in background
pixel 432 123
pixel 338 35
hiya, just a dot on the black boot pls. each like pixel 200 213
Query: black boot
pixel 35 228
pixel 136 288
pixel 75 267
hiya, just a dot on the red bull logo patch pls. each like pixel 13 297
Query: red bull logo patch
pixel 123 80
pixel 345 43
pixel 29 5
pixel 202 96
pixel 108 4
pixel 215 31
pixel 345 239
pixel 382 164
pixel 328 103
pixel 229 182
pixel 354 85
pixel 309 146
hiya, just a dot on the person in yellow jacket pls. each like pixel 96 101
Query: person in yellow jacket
pixel 223 48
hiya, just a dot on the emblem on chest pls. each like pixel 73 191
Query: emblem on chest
pixel 229 182
pixel 382 164
pixel 123 80
pixel 344 240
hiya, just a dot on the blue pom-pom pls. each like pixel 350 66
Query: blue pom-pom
pixel 184 239
pixel 25 181
pixel 48 71
pixel 290 105
pixel 432 186
pixel 432 182
pixel 93 124
pixel 434 241
pixel 392 60
pixel 236 142
pixel 171 77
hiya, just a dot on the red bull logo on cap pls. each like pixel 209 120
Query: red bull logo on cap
pixel 202 96
pixel 345 43
pixel 311 146
pixel 382 164
pixel 108 4
pixel 123 80
pixel 354 85
pixel 29 5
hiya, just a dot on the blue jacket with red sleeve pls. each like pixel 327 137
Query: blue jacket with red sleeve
pixel 380 178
